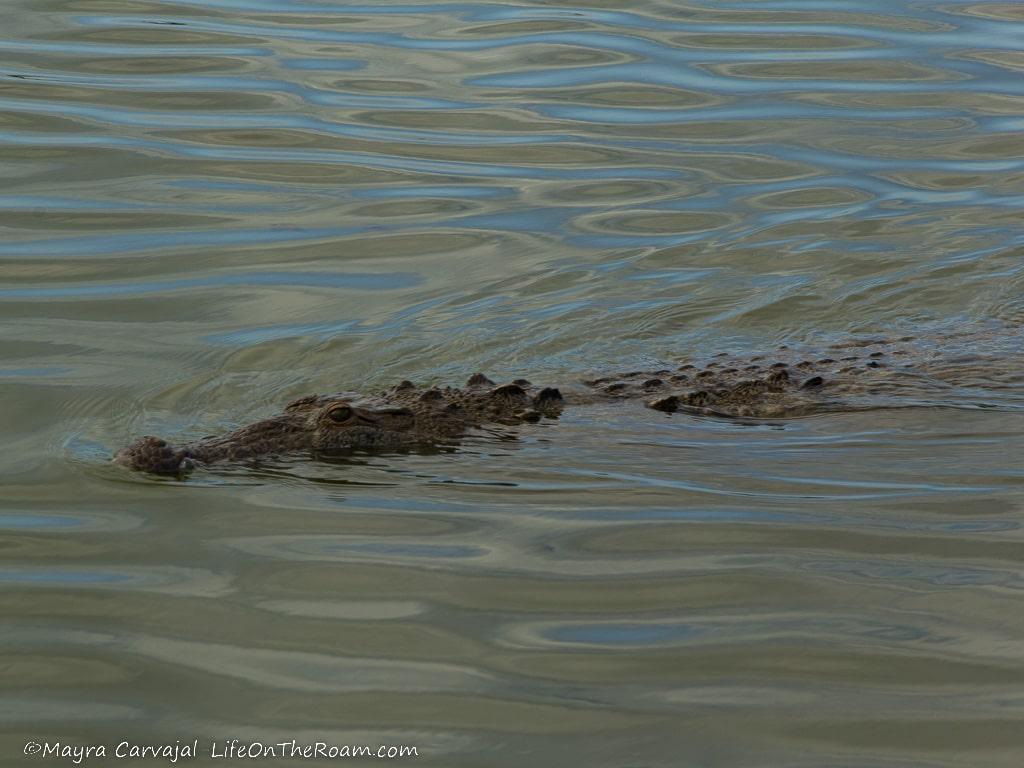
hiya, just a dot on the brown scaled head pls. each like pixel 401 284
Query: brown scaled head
pixel 343 425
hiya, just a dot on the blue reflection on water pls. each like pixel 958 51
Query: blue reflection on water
pixel 39 521
pixel 12 576
pixel 358 281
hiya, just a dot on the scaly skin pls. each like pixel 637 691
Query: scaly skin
pixel 857 375
pixel 404 417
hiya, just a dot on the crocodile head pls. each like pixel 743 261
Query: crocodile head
pixel 338 424
pixel 324 425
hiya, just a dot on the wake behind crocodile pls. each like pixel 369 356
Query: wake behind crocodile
pixel 966 369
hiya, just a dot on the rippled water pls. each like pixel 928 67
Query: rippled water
pixel 211 207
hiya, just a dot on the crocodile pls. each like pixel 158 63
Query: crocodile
pixel 964 369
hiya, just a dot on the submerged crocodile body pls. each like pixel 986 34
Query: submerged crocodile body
pixel 857 375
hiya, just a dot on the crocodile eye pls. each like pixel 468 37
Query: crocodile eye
pixel 340 414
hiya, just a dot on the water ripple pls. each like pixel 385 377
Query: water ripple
pixel 214 206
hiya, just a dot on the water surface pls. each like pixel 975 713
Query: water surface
pixel 213 207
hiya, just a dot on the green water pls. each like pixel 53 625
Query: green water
pixel 210 208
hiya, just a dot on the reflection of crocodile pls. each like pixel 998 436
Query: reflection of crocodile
pixel 856 375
